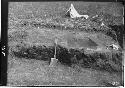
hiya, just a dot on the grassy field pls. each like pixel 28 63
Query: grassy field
pixel 31 33
pixel 23 72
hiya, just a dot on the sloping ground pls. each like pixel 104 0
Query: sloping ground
pixel 31 38
pixel 72 25
pixel 32 50
pixel 65 38
pixel 37 44
pixel 23 72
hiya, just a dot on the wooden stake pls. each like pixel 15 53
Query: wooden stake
pixel 54 60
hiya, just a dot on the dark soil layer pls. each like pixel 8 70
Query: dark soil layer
pixel 111 62
pixel 119 30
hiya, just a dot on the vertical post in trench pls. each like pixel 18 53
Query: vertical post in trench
pixel 55 45
pixel 54 61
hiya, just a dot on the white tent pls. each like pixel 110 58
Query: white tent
pixel 74 14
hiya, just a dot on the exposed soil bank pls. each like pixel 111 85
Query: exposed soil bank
pixel 108 61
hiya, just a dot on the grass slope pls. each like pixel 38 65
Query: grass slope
pixel 31 35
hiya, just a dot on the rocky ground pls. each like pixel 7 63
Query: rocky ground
pixel 84 59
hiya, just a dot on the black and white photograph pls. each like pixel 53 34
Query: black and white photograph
pixel 65 44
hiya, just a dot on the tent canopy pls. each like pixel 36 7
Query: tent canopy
pixel 73 13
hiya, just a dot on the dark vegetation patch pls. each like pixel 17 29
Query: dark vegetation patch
pixel 111 62
pixel 39 53
pixel 73 24
pixel 119 30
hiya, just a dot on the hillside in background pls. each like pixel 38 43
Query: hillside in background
pixel 52 16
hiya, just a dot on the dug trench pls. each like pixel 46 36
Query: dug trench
pixel 111 62
pixel 77 59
